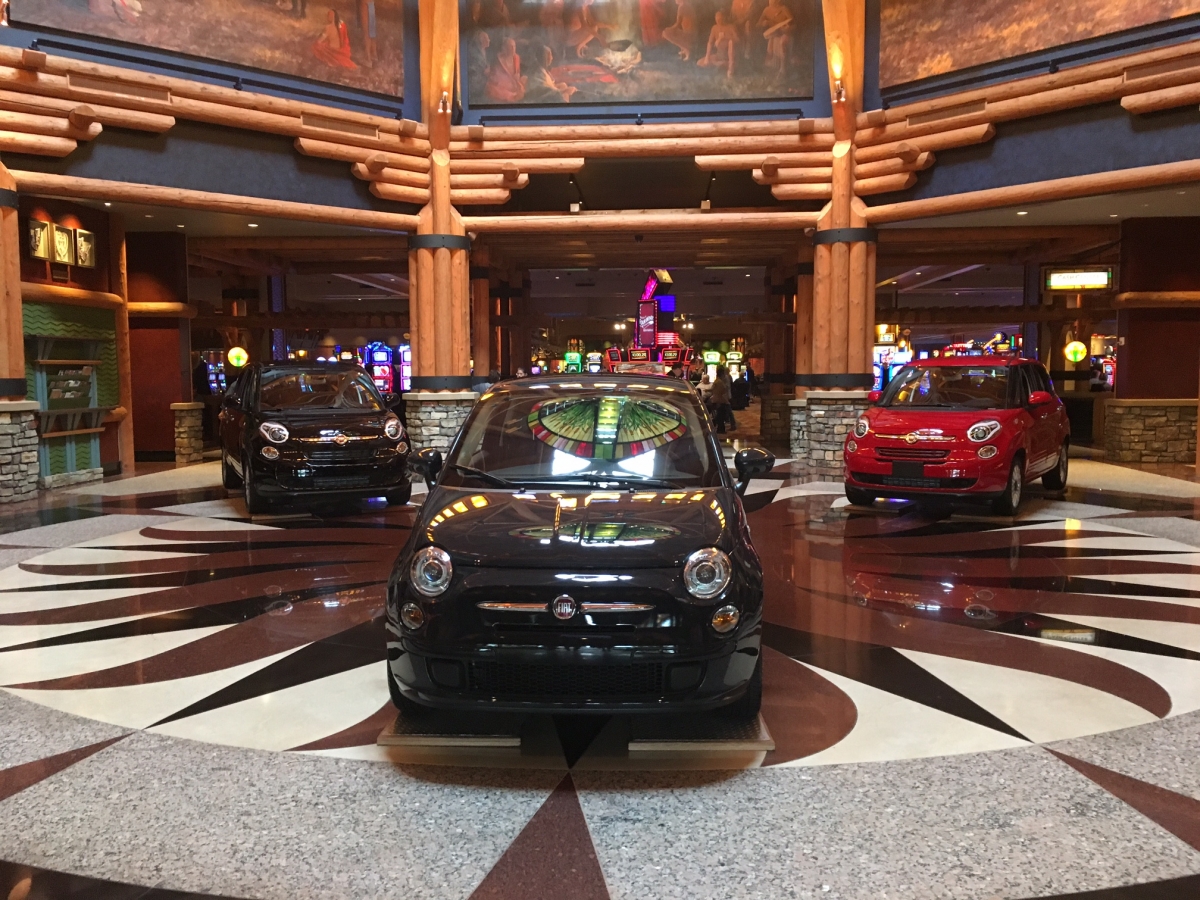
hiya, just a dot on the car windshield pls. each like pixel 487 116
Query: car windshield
pixel 626 435
pixel 331 389
pixel 954 387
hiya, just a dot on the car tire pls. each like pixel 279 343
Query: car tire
pixel 229 477
pixel 255 504
pixel 1056 478
pixel 1009 502
pixel 748 705
pixel 859 497
pixel 410 709
pixel 400 496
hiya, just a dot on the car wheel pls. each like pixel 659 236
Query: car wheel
pixel 1008 502
pixel 1056 478
pixel 400 496
pixel 255 504
pixel 408 708
pixel 748 705
pixel 229 477
pixel 859 497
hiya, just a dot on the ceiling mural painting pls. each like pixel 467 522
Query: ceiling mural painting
pixel 923 38
pixel 354 43
pixel 535 52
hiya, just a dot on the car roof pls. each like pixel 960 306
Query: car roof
pixel 973 361
pixel 601 381
pixel 307 366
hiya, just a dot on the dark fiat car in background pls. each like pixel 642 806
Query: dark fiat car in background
pixel 583 547
pixel 960 428
pixel 299 435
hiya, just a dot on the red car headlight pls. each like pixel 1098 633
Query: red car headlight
pixel 862 426
pixel 983 431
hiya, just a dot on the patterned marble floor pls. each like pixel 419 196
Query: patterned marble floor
pixel 966 707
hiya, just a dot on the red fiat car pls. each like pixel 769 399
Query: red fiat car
pixel 959 428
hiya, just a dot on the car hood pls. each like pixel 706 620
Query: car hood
pixel 954 422
pixel 313 422
pixel 574 529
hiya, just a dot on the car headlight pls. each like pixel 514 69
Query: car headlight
pixel 393 429
pixel 273 432
pixel 706 573
pixel 982 431
pixel 862 426
pixel 431 571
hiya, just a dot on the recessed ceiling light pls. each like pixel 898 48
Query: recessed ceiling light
pixel 178 226
pixel 1181 192
pixel 251 224
pixel 108 204
pixel 1114 215
pixel 148 216
pixel 1022 213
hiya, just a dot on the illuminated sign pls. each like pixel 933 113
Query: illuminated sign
pixel 573 362
pixel 1076 351
pixel 733 356
pixel 663 276
pixel 712 356
pixel 639 355
pixel 666 303
pixel 886 334
pixel 1079 279
pixel 647 324
pixel 237 357
pixel 670 356
pixel 649 289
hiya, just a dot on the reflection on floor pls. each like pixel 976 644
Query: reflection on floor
pixel 960 707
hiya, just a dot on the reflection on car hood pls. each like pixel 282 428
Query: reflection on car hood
pixel 306 423
pixel 888 420
pixel 581 529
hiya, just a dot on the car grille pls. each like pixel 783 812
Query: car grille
pixel 332 456
pixel 341 481
pixel 910 453
pixel 950 484
pixel 501 679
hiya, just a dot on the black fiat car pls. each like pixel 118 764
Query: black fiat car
pixel 302 435
pixel 583 548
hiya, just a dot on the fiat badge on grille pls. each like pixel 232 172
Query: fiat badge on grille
pixel 340 439
pixel 563 606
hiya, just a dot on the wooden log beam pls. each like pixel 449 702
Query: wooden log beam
pixel 884 184
pixel 821 191
pixel 641 220
pixel 516 150
pixel 479 197
pixel 1185 172
pixel 162 310
pixel 391 176
pixel 1157 298
pixel 33 292
pixel 822 175
pixel 100 189
pixel 893 166
pixel 35 144
pixel 53 126
pixel 944 140
pixel 731 162
pixel 845 34
pixel 566 165
pixel 14 101
pixel 345 153
pixel 468 182
pixel 553 133
pixel 1167 98
pixel 353 247
pixel 400 193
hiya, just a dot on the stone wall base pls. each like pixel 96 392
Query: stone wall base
pixel 189 432
pixel 773 419
pixel 798 435
pixel 63 479
pixel 434 418
pixel 1150 431
pixel 819 425
pixel 18 451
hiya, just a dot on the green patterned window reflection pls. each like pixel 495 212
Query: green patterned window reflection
pixel 605 427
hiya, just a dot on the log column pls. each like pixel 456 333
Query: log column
pixel 118 283
pixel 439 276
pixel 18 421
pixel 481 314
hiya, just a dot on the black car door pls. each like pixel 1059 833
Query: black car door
pixel 233 419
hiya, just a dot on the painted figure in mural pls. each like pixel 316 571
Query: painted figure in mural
pixel 505 83
pixel 542 87
pixel 683 33
pixel 552 18
pixel 333 46
pixel 494 14
pixel 477 57
pixel 367 24
pixel 583 28
pixel 722 45
pixel 741 14
pixel 653 15
pixel 778 23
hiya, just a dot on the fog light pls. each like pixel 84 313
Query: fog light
pixel 851 446
pixel 725 619
pixel 411 616
pixel 270 453
pixel 402 447
pixel 987 452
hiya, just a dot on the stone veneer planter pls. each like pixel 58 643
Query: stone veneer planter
pixel 189 432
pixel 434 417
pixel 820 422
pixel 18 450
pixel 1150 431
pixel 774 422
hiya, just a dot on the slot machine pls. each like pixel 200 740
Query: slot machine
pixel 377 359
pixel 572 362
pixel 595 362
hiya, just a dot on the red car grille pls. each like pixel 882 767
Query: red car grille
pixel 911 453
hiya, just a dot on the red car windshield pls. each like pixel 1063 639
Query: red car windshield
pixel 948 387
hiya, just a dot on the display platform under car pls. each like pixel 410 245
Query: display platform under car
pixel 583 548
pixel 296 436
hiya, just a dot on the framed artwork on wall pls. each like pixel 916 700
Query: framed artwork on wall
pixel 39 239
pixel 85 249
pixel 62 245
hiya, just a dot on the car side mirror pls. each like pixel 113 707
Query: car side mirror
pixel 427 463
pixel 750 463
pixel 873 396
pixel 390 399
pixel 1040 398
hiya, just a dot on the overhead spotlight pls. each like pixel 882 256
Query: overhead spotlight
pixel 251 224
pixel 107 203
pixel 1022 213
pixel 839 92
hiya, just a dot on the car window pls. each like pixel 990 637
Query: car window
pixel 584 433
pixel 979 386
pixel 318 389
pixel 1042 379
pixel 233 396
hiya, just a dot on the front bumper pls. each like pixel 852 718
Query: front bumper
pixel 960 474
pixel 285 478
